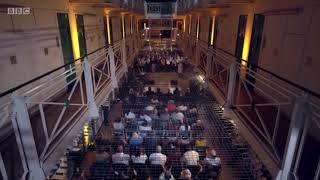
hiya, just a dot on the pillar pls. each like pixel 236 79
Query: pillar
pixel 298 119
pixel 22 129
pixel 114 81
pixel 92 106
pixel 231 89
pixel 124 54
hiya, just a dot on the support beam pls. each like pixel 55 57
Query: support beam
pixel 231 89
pixel 3 169
pixel 124 54
pixel 93 109
pixel 297 124
pixel 114 81
pixel 23 130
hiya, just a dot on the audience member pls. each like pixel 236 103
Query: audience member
pixel 158 158
pixel 139 158
pixel 118 125
pixel 120 157
pixel 135 140
pixel 191 157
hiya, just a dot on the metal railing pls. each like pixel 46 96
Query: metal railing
pixel 268 104
pixel 55 101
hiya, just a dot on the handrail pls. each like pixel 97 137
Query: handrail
pixel 311 92
pixel 52 71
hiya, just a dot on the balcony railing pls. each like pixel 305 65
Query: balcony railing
pixel 278 112
pixel 42 112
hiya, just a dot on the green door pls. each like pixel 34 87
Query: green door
pixel 81 35
pixel 65 39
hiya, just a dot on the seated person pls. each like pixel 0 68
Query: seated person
pixel 197 128
pixel 191 157
pixel 139 158
pixel 103 156
pixel 145 128
pixel 135 140
pixel 182 108
pixel 177 116
pixel 201 142
pixel 172 130
pixel 212 166
pixel 184 127
pixel 193 109
pixel 158 158
pixel 154 100
pixel 169 94
pixel 185 174
pixel 149 93
pixel 176 92
pixel 120 158
pixel 146 117
pixel 166 174
pixel 130 115
pixel 159 93
pixel 118 125
pixel 191 160
pixel 171 106
pixel 165 116
pixel 187 93
pixel 211 159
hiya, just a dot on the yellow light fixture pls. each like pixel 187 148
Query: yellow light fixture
pixel 106 12
pixel 123 29
pixel 247 39
pixel 131 24
pixel 74 33
pixel 212 30
pixel 108 29
pixel 190 24
pixel 184 24
pixel 198 27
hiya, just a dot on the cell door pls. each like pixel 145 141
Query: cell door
pixel 240 35
pixel 81 35
pixel 65 39
pixel 255 46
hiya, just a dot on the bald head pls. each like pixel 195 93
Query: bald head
pixel 158 149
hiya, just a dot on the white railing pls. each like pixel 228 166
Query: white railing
pixel 275 110
pixel 57 100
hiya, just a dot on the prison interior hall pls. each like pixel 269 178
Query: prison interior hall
pixel 159 90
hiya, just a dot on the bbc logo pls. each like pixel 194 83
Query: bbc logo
pixel 19 10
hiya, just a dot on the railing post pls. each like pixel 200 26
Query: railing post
pixel 298 119
pixel 92 106
pixel 22 129
pixel 114 81
pixel 124 55
pixel 231 88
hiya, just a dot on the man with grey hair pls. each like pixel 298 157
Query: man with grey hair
pixel 158 158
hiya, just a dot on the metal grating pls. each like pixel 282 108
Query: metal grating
pixel 238 161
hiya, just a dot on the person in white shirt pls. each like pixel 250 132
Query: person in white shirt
pixel 158 158
pixel 191 157
pixel 139 158
pixel 120 157
pixel 130 115
pixel 118 125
